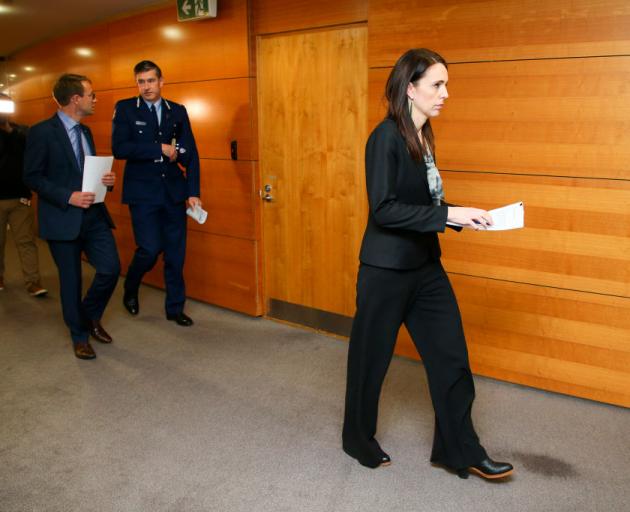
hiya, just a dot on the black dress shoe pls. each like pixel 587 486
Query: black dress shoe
pixel 488 468
pixel 130 301
pixel 98 333
pixel 371 457
pixel 84 351
pixel 180 319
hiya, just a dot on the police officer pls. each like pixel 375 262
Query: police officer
pixel 154 136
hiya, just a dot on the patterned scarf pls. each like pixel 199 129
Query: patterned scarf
pixel 435 180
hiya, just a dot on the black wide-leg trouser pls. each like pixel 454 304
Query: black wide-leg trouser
pixel 424 301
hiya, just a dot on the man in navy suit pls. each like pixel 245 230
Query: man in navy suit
pixel 68 218
pixel 154 136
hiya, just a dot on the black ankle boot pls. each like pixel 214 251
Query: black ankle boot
pixel 488 468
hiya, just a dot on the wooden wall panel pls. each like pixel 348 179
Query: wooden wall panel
pixel 34 111
pixel 229 191
pixel 477 30
pixel 200 50
pixel 223 270
pixel 577 232
pixel 85 52
pixel 558 118
pixel 560 340
pixel 272 16
pixel 219 112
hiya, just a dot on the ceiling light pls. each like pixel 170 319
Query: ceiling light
pixel 84 52
pixel 28 68
pixel 173 33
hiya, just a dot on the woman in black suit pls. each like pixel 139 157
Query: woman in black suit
pixel 401 279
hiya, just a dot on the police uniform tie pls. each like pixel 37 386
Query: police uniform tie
pixel 155 116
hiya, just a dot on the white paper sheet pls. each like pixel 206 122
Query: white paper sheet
pixel 93 170
pixel 511 216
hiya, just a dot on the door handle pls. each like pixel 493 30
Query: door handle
pixel 266 196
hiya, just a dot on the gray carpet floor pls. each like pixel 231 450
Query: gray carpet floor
pixel 244 414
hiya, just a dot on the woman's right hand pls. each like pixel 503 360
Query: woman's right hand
pixel 469 217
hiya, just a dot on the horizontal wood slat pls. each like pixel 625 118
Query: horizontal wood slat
pixel 577 233
pixel 465 30
pixel 560 118
pixel 561 340
pixel 219 270
pixel 85 52
pixel 200 50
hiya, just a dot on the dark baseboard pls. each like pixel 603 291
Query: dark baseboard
pixel 310 317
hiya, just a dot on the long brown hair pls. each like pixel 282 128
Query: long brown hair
pixel 411 67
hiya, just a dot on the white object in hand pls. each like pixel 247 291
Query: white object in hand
pixel 93 170
pixel 511 216
pixel 197 213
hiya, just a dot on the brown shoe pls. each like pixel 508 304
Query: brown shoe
pixel 98 333
pixel 36 290
pixel 84 351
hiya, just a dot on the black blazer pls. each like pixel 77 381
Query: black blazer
pixel 403 222
pixel 51 169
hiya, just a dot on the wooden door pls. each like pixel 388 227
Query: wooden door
pixel 312 94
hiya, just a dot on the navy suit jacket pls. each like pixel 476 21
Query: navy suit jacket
pixel 51 169
pixel 138 139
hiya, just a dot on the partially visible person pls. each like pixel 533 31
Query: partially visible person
pixel 15 202
pixel 401 279
pixel 68 218
pixel 154 136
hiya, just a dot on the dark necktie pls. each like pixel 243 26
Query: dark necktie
pixel 157 119
pixel 80 154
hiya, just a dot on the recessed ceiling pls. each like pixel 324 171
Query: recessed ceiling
pixel 26 22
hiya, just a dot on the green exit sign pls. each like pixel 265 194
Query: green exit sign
pixel 188 10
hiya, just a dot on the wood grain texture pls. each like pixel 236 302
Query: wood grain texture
pixel 220 270
pixel 85 52
pixel 559 118
pixel 272 16
pixel 194 51
pixel 577 233
pixel 229 192
pixel 560 340
pixel 223 270
pixel 477 30
pixel 219 112
pixel 311 95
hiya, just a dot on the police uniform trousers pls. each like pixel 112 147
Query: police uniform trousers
pixel 160 229
pixel 424 301
pixel 97 242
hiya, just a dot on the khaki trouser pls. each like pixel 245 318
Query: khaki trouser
pixel 20 219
